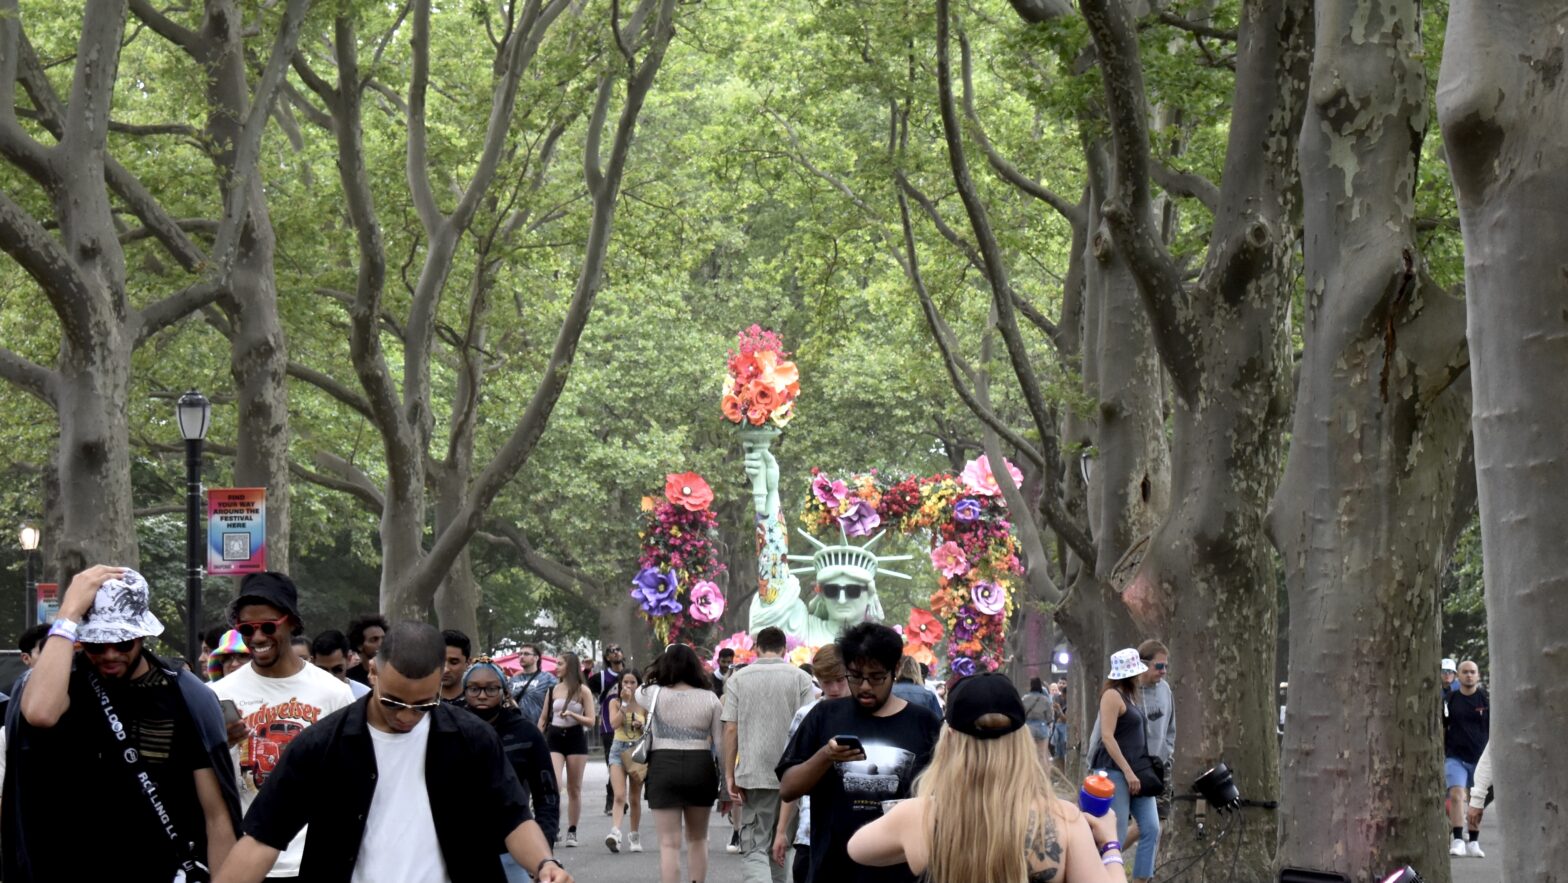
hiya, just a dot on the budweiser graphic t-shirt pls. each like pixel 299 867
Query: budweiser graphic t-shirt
pixel 275 710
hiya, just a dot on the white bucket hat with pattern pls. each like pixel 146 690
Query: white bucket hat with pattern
pixel 120 613
pixel 1126 663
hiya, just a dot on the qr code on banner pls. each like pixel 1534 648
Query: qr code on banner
pixel 236 546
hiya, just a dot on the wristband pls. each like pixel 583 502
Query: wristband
pixel 1113 860
pixel 63 628
pixel 1110 845
pixel 549 861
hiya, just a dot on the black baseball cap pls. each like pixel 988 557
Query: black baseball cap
pixel 268 587
pixel 979 695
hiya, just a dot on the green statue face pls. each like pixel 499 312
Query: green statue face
pixel 846 601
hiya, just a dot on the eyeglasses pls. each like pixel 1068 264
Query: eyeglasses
pixel 852 592
pixel 96 648
pixel 1161 666
pixel 483 690
pixel 419 707
pixel 265 626
pixel 875 680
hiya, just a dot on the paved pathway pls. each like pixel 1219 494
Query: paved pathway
pixel 592 862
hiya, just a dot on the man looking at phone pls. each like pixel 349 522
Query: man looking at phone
pixel 118 766
pixel 368 778
pixel 273 698
pixel 852 754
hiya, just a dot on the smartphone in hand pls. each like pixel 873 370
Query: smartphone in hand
pixel 231 712
pixel 850 742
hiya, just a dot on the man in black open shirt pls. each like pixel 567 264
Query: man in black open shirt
pixel 366 779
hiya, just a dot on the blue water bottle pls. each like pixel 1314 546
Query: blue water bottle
pixel 1095 796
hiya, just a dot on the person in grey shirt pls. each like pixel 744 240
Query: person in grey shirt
pixel 759 702
pixel 532 684
pixel 1159 709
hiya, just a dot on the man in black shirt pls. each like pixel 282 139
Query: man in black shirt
pixel 368 778
pixel 1466 728
pixel 140 742
pixel 459 649
pixel 365 634
pixel 602 685
pixel 848 785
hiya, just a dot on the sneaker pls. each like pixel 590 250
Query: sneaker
pixel 571 838
pixel 734 846
pixel 1457 848
pixel 1473 849
pixel 613 840
pixel 636 845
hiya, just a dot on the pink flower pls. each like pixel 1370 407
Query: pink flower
pixel 949 560
pixel 978 478
pixel 707 602
pixel 829 493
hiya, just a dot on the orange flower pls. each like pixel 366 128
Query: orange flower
pixel 920 653
pixel 762 396
pixel 923 627
pixel 775 373
pixel 734 411
pixel 757 416
pixel 647 504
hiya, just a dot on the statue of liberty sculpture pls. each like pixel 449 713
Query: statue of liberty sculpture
pixel 845 575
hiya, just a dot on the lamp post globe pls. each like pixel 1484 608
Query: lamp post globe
pixel 29 537
pixel 194 413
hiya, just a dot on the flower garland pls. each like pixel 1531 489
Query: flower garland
pixel 972 549
pixel 676 584
pixel 762 383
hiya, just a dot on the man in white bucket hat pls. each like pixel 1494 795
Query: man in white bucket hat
pixel 118 738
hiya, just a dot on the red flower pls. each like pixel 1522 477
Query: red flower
pixel 923 627
pixel 687 490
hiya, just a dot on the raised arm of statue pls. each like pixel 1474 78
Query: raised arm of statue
pixel 772 538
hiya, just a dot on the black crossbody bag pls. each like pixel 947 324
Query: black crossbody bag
pixel 191 869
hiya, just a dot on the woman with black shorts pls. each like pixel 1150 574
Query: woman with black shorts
pixel 683 780
pixel 565 718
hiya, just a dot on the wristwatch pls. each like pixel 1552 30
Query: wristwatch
pixel 549 861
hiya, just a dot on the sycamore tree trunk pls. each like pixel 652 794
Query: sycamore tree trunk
pixel 1381 420
pixel 1207 579
pixel 1503 103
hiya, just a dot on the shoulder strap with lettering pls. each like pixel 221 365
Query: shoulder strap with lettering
pixel 191 869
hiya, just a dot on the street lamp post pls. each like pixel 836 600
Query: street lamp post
pixel 29 539
pixel 194 413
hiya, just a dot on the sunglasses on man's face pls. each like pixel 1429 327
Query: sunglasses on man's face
pixel 417 707
pixel 265 626
pixel 840 592
pixel 96 648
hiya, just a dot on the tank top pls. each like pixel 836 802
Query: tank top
pixel 558 718
pixel 1129 736
pixel 631 726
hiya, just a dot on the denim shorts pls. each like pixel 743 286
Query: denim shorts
pixel 616 748
pixel 1457 773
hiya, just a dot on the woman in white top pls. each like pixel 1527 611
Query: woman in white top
pixel 565 718
pixel 683 779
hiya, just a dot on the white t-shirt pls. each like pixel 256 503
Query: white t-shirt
pixel 277 710
pixel 400 831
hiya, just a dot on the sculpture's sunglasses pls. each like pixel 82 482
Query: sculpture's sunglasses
pixel 839 592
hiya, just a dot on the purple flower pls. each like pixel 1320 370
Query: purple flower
pixel 966 509
pixel 963 666
pixel 655 592
pixel 966 625
pixel 989 598
pixel 860 520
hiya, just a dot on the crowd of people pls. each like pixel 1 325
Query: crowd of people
pixel 340 756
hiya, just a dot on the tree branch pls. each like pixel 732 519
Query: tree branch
pixel 30 377
pixel 327 384
pixel 991 253
pixel 1128 207
pixel 961 375
pixel 1190 184
pixel 1197 28
pixel 1009 172
pixel 45 259
pixel 559 575
pixel 16 145
pixel 157 316
pixel 349 480
pixel 165 27
pixel 418 160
